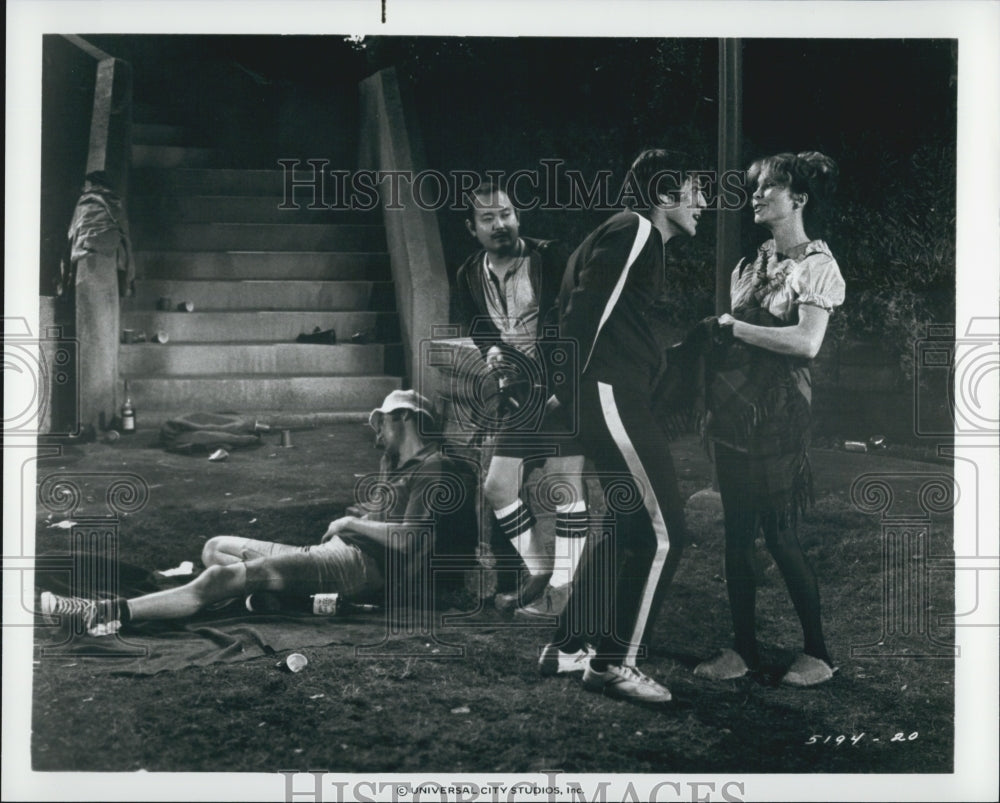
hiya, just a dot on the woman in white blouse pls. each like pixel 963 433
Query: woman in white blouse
pixel 782 301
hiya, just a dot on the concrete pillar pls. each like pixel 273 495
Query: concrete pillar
pixel 98 330
pixel 110 125
pixel 390 141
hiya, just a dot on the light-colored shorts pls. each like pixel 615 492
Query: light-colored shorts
pixel 333 567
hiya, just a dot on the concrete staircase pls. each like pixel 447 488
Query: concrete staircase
pixel 257 276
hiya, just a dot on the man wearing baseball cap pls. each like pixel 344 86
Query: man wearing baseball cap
pixel 419 508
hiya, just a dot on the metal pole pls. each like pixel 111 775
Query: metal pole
pixel 727 227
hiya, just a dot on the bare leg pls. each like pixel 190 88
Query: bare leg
pixel 502 486
pixel 570 471
pixel 214 584
pixel 224 550
pixel 502 489
pixel 570 496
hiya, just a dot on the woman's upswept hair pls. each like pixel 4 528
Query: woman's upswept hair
pixel 809 172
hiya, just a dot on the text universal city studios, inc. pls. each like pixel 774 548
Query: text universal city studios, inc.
pixel 317 786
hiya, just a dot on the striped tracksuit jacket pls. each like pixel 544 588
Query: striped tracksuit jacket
pixel 611 280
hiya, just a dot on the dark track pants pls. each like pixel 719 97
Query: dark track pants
pixel 615 590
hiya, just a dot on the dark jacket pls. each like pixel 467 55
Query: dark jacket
pixel 547 262
pixel 603 307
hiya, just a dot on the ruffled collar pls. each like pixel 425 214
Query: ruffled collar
pixel 770 251
pixel 772 269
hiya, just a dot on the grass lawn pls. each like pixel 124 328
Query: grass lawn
pixel 490 711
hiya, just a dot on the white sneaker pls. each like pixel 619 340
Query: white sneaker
pixel 627 683
pixel 554 661
pixel 55 608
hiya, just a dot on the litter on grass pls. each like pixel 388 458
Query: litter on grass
pixel 185 568
pixel 295 662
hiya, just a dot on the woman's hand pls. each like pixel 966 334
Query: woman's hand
pixel 726 319
pixel 336 527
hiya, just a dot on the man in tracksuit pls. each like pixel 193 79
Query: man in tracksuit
pixel 610 282
pixel 505 292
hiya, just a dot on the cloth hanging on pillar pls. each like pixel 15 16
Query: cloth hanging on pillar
pixel 99 226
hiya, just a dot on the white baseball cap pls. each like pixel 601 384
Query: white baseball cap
pixel 401 400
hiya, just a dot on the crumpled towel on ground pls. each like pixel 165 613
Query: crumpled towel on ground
pixel 206 432
pixel 167 646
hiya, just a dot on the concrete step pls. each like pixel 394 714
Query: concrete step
pixel 249 393
pixel 263 295
pixel 237 209
pixel 160 134
pixel 146 113
pixel 284 359
pixel 173 156
pixel 261 326
pixel 231 181
pixel 285 265
pixel 260 237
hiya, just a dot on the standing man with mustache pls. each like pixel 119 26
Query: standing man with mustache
pixel 610 284
pixel 505 292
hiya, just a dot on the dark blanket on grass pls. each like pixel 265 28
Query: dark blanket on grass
pixel 150 648
pixel 228 635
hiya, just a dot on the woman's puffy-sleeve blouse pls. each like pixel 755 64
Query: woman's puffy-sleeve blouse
pixel 780 284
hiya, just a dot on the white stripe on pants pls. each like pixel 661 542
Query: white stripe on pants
pixel 638 471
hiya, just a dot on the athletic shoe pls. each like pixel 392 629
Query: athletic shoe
pixel 77 609
pixel 727 665
pixel 626 683
pixel 554 661
pixel 529 591
pixel 550 604
pixel 808 671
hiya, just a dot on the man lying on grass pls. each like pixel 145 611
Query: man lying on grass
pixel 421 508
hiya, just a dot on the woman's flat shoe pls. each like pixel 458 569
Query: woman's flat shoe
pixel 807 671
pixel 727 665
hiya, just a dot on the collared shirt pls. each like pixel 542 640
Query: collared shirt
pixel 512 303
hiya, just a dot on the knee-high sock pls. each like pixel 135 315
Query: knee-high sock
pixel 571 535
pixel 516 522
